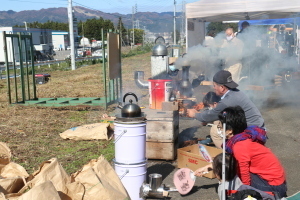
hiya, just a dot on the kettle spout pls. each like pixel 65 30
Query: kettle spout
pixel 120 105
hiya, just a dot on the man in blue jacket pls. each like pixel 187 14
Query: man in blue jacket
pixel 226 88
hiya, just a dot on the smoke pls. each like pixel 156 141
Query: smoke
pixel 264 54
pixel 201 59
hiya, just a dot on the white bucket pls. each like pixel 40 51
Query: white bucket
pixel 132 177
pixel 130 142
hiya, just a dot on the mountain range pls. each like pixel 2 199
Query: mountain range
pixel 152 21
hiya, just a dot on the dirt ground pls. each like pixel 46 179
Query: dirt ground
pixel 33 133
pixel 281 116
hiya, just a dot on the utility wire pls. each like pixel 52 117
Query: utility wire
pixel 95 9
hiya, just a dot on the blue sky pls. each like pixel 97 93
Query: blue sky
pixel 120 6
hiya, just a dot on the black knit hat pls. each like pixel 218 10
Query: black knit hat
pixel 224 78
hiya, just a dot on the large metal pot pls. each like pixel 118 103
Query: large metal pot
pixel 159 50
pixel 131 109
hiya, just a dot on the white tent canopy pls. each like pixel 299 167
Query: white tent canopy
pixel 226 10
pixel 199 12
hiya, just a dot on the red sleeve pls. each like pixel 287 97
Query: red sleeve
pixel 243 159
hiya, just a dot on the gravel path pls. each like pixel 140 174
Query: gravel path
pixel 283 125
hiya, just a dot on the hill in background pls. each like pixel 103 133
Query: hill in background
pixel 154 22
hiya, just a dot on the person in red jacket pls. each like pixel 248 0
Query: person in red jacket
pixel 257 165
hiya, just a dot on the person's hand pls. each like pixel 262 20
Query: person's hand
pixel 191 112
pixel 203 170
pixel 278 80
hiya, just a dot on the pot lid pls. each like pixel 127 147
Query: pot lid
pixel 159 50
pixel 133 120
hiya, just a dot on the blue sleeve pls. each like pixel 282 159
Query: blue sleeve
pixel 211 115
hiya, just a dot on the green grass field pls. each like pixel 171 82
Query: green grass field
pixel 32 133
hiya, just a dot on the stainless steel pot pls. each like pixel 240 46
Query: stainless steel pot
pixel 159 50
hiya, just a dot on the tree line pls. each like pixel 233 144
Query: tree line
pixel 91 29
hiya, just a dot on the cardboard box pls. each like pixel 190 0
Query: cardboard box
pixel 190 157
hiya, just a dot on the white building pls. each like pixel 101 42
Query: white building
pixel 60 40
pixel 41 39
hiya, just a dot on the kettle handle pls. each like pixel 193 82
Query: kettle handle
pixel 130 93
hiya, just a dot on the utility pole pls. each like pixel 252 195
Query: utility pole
pixel 128 35
pixel 144 33
pixel 25 25
pixel 120 31
pixel 71 30
pixel 174 22
pixel 133 10
pixel 82 35
pixel 182 23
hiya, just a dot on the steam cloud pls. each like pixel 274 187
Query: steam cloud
pixel 263 57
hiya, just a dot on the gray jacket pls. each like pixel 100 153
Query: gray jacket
pixel 234 98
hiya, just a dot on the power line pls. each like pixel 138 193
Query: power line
pixel 95 9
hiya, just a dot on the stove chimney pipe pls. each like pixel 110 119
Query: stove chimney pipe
pixel 185 85
pixel 139 80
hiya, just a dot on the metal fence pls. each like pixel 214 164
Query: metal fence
pixel 20 68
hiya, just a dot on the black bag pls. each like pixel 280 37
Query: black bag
pixel 243 194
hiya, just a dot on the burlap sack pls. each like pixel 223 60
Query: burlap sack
pixel 10 196
pixel 94 189
pixel 51 170
pixel 110 179
pixel 12 170
pixel 100 181
pixel 13 177
pixel 75 190
pixel 11 185
pixel 96 131
pixel 5 154
pixel 45 190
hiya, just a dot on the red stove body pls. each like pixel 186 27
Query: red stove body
pixel 160 91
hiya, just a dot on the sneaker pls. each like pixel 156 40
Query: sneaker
pixel 208 137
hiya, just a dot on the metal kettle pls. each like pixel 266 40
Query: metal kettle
pixel 131 109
